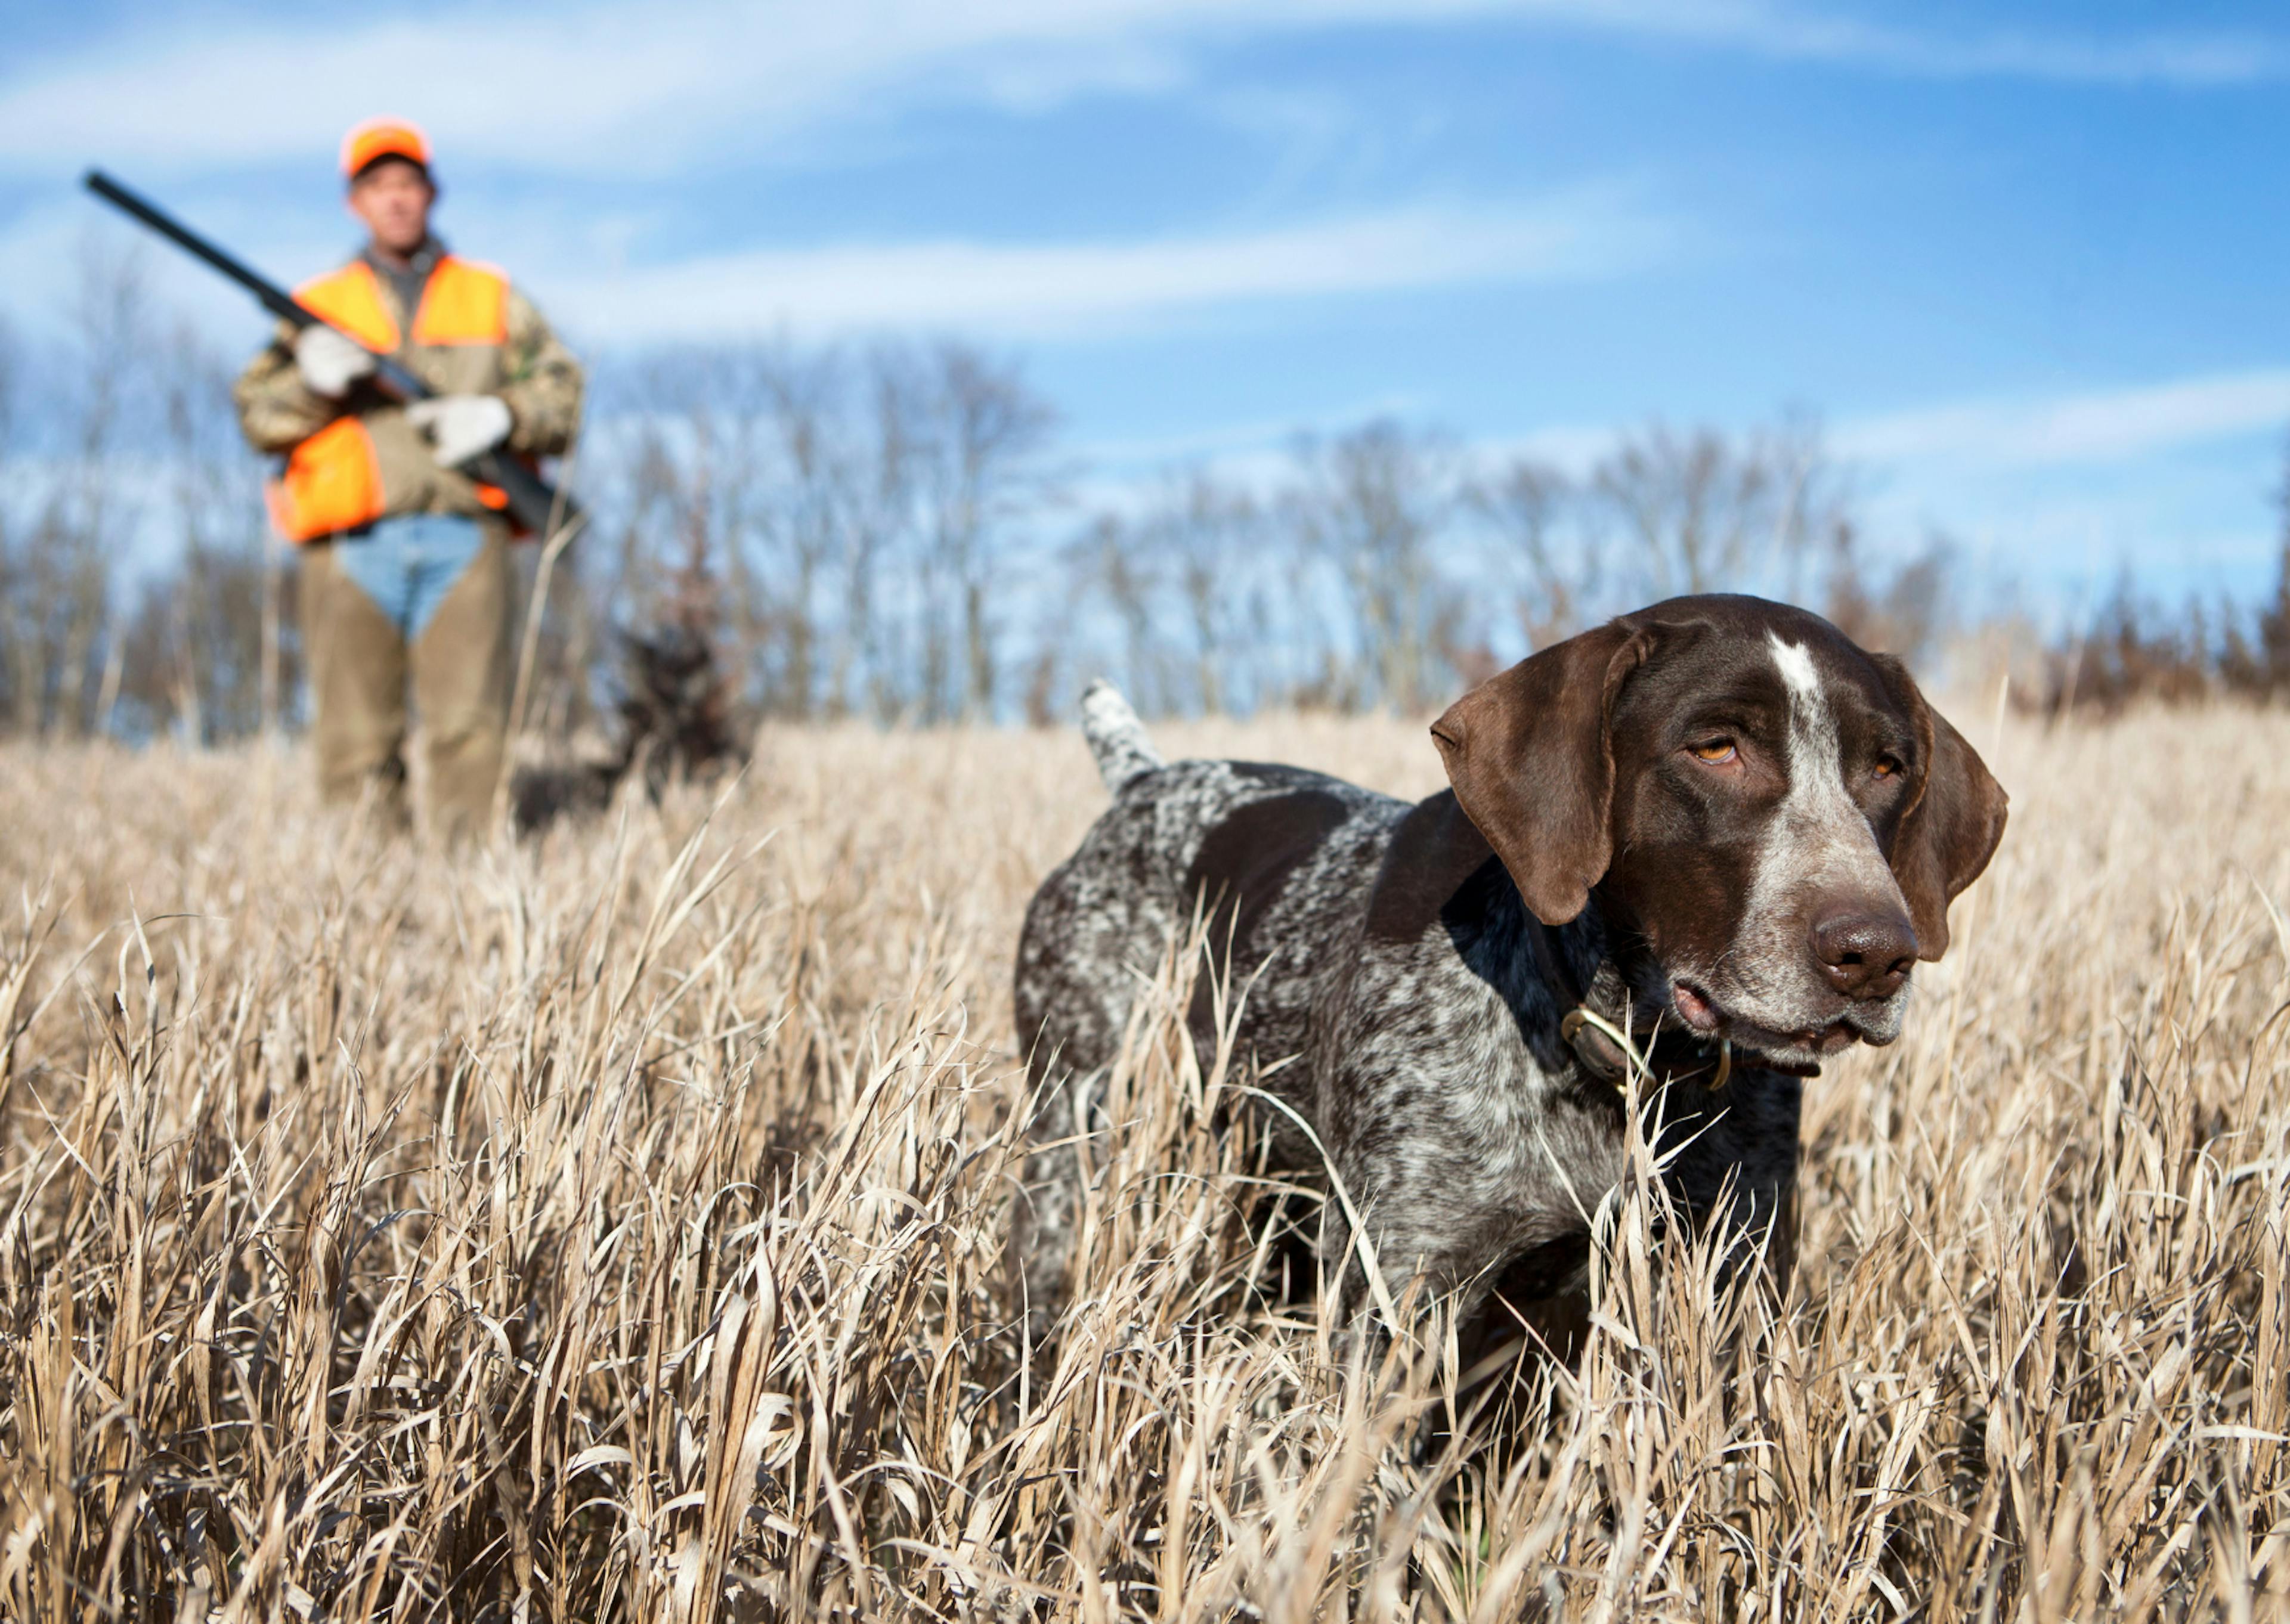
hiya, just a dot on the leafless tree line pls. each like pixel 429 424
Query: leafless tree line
pixel 1386 566
pixel 891 531
pixel 2131 651
pixel 855 528
pixel 140 592
pixel 888 532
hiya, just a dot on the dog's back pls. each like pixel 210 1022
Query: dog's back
pixel 1227 842
pixel 1266 858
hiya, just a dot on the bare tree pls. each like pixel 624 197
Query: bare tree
pixel 19 671
pixel 1526 503
pixel 1816 497
pixel 880 516
pixel 856 511
pixel 1703 511
pixel 1374 503
pixel 982 469
pixel 1902 612
pixel 805 510
pixel 1113 557
pixel 1211 533
pixel 1689 507
pixel 110 322
pixel 69 516
pixel 1184 573
pixel 2269 665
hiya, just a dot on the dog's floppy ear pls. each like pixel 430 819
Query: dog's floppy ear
pixel 1954 825
pixel 1533 769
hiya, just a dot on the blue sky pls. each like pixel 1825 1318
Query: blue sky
pixel 2026 263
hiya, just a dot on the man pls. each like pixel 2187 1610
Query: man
pixel 405 555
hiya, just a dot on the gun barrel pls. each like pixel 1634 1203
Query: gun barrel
pixel 534 502
pixel 272 297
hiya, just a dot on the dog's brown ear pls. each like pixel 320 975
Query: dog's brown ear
pixel 1952 827
pixel 1533 769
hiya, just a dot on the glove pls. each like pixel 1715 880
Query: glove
pixel 462 426
pixel 330 361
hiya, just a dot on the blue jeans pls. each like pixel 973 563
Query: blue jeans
pixel 407 565
pixel 424 598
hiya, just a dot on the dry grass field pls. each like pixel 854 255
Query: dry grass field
pixel 609 1227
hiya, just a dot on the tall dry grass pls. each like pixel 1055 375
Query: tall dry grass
pixel 609 1227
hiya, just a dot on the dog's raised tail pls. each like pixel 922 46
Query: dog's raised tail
pixel 1117 738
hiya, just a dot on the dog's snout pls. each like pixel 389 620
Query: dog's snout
pixel 1865 952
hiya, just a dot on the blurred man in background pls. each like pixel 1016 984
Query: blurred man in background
pixel 405 555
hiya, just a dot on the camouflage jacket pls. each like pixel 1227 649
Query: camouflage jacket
pixel 531 370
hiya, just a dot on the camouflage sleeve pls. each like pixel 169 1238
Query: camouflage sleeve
pixel 544 385
pixel 276 411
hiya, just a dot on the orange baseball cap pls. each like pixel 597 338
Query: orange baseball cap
pixel 383 138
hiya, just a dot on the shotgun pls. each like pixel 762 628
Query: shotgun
pixel 532 501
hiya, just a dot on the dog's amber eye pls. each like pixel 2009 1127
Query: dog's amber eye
pixel 1888 766
pixel 1715 751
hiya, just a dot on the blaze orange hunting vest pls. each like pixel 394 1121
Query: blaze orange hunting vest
pixel 333 480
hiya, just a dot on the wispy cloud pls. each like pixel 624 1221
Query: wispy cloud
pixel 1088 289
pixel 1982 442
pixel 600 88
pixel 2186 59
pixel 608 88
pixel 2090 427
pixel 2000 436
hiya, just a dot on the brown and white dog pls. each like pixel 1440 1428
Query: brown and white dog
pixel 1715 821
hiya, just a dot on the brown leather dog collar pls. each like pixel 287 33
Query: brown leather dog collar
pixel 1604 1049
pixel 1606 1053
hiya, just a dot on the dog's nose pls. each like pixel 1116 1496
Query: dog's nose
pixel 1866 953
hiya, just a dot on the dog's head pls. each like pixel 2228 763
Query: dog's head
pixel 1773 813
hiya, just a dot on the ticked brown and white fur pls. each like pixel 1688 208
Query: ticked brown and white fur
pixel 1717 820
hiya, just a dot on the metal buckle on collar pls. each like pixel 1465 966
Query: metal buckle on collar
pixel 1606 1053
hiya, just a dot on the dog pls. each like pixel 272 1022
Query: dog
pixel 676 720
pixel 1715 828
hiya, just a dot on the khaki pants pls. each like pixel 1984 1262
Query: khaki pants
pixel 457 648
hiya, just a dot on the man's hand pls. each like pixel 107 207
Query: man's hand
pixel 330 361
pixel 462 426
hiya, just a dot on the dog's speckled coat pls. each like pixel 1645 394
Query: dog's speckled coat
pixel 1391 950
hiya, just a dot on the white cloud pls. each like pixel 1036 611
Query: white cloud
pixel 1085 288
pixel 2182 58
pixel 580 270
pixel 615 89
pixel 2094 427
pixel 1999 437
pixel 606 87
